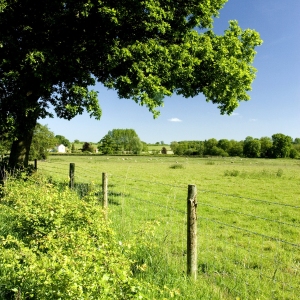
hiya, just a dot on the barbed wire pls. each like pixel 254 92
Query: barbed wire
pixel 148 181
pixel 252 232
pixel 248 198
pixel 158 205
pixel 53 168
pixel 210 191
pixel 149 192
pixel 248 215
pixel 59 173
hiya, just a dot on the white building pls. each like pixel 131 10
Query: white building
pixel 61 148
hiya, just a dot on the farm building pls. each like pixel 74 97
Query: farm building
pixel 61 148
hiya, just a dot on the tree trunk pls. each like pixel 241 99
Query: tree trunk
pixel 19 153
pixel 25 124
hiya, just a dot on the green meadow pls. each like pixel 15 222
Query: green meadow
pixel 248 220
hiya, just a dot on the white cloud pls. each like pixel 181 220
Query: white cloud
pixel 174 120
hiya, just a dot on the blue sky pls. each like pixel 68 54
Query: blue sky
pixel 275 97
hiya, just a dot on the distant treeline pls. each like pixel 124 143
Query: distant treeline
pixel 278 146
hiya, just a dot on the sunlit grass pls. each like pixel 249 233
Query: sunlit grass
pixel 246 208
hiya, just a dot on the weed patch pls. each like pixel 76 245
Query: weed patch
pixel 177 166
pixel 233 173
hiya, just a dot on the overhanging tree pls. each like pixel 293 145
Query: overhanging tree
pixel 52 51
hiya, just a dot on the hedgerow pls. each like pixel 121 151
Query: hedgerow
pixel 54 245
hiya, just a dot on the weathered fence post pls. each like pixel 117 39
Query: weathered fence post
pixel 35 165
pixel 104 192
pixel 192 265
pixel 72 175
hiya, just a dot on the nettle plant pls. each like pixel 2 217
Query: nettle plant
pixel 54 245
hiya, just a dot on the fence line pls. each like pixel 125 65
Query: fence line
pixel 251 199
pixel 271 266
pixel 202 203
pixel 252 232
pixel 213 192
pixel 248 215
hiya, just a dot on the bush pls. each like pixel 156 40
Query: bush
pixel 233 173
pixel 294 153
pixel 55 246
pixel 177 166
pixel 279 173
pixel 87 147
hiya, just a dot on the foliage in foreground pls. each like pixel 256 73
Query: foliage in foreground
pixel 55 246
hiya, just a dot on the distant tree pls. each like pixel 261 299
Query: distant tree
pixel 173 146
pixel 163 150
pixel 187 148
pixel 208 145
pixel 266 147
pixel 107 145
pixel 162 142
pixel 62 140
pixel 296 147
pixel 282 145
pixel 224 144
pixel 145 147
pixel 180 148
pixel 135 145
pixel 296 141
pixel 73 150
pixel 122 140
pixel 236 148
pixel 251 147
pixel 193 148
pixel 294 153
pixel 76 141
pixel 216 151
pixel 87 147
pixel 42 141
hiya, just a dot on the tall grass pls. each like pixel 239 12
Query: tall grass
pixel 248 218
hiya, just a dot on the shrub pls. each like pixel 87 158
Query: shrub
pixel 232 173
pixel 164 150
pixel 87 147
pixel 294 153
pixel 55 246
pixel 177 166
pixel 279 173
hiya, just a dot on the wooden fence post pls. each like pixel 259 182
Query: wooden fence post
pixel 72 175
pixel 104 192
pixel 35 165
pixel 192 264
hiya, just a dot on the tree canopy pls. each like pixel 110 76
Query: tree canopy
pixel 279 146
pixel 52 51
pixel 120 140
pixel 42 141
pixel 62 140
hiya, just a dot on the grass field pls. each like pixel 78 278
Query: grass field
pixel 248 221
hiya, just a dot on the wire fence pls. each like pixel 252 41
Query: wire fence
pixel 248 247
